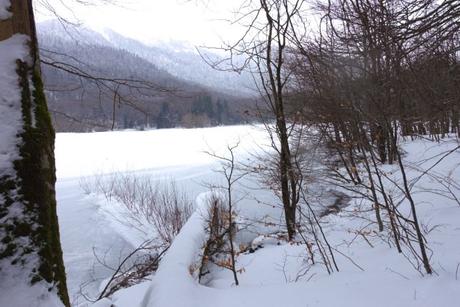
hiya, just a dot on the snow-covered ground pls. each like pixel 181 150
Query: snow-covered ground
pixel 85 221
pixel 371 273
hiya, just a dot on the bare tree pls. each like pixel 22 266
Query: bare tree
pixel 265 44
pixel 216 219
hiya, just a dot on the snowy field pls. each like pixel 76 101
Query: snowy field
pixel 371 274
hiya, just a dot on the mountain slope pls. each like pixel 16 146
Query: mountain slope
pixel 179 59
pixel 81 102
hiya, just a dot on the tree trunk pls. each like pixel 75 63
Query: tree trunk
pixel 30 245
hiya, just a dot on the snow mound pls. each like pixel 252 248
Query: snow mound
pixel 177 266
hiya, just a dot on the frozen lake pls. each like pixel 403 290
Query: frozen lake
pixel 170 153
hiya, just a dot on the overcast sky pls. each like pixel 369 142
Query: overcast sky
pixel 197 21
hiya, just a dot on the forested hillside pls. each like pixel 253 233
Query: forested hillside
pixel 101 82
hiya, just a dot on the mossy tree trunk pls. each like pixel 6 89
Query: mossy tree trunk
pixel 31 185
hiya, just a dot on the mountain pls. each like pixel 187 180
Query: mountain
pixel 180 59
pixel 169 86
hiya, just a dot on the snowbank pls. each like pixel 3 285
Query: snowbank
pixel 174 273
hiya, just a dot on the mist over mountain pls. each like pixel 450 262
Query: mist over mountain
pixel 182 89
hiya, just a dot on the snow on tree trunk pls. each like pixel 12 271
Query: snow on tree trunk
pixel 31 262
